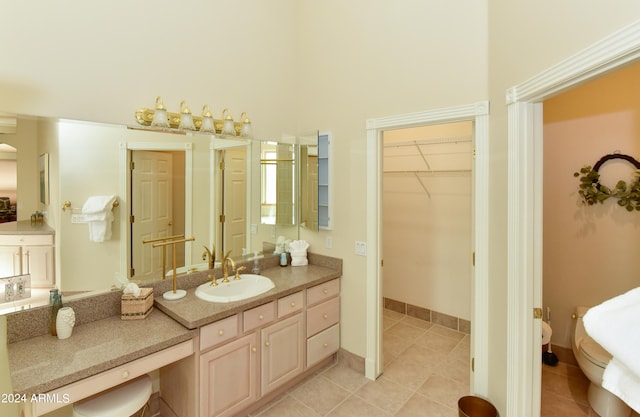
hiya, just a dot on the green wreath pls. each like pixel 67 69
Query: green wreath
pixel 592 191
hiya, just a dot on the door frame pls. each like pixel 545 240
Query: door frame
pixel 524 258
pixel 479 114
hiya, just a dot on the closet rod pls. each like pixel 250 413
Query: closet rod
pixel 437 141
pixel 439 171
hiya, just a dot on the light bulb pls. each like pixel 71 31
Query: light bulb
pixel 228 127
pixel 207 125
pixel 160 118
pixel 186 119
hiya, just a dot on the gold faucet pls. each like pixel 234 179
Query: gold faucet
pixel 210 256
pixel 238 269
pixel 212 277
pixel 225 270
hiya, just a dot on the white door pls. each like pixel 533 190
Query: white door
pixel 235 201
pixel 151 210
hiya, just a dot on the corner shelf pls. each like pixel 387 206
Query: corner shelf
pixel 324 218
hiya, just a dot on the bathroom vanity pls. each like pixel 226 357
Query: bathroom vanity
pixel 214 359
pixel 27 248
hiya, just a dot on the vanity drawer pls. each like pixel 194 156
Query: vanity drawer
pixel 323 344
pixel 258 316
pixel 290 304
pixel 218 332
pixel 98 383
pixel 26 240
pixel 322 316
pixel 323 291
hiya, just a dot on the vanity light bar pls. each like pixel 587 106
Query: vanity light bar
pixel 144 117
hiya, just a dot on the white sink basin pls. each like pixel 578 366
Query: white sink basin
pixel 249 285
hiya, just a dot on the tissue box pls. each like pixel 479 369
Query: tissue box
pixel 137 308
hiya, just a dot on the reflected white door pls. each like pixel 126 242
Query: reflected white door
pixel 151 208
pixel 235 201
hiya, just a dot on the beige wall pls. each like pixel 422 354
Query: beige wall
pixel 366 59
pixel 589 252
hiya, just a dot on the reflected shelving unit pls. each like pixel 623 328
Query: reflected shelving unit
pixel 324 144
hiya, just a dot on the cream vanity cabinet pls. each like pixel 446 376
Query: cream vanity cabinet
pixel 323 317
pixel 251 354
pixel 28 254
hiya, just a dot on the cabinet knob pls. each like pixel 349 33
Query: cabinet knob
pixel 261 317
pixel 326 345
pixel 293 304
pixel 253 349
pixel 220 332
pixel 325 316
pixel 325 291
pixel 267 344
pixel 125 374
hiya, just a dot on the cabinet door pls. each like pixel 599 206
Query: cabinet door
pixel 38 261
pixel 228 377
pixel 282 352
pixel 10 261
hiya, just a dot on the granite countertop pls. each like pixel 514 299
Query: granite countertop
pixel 25 227
pixel 193 312
pixel 44 363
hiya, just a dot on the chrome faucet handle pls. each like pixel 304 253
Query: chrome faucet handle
pixel 238 269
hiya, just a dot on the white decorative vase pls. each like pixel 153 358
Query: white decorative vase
pixel 65 321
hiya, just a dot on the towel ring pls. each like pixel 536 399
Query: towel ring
pixel 67 205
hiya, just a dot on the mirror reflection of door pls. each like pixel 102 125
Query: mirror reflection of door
pixel 8 183
pixel 157 205
pixel 234 201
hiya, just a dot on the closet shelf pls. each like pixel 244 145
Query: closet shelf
pixel 423 172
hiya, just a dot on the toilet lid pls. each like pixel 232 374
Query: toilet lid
pixel 124 400
pixel 594 352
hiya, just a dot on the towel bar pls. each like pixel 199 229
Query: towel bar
pixel 67 205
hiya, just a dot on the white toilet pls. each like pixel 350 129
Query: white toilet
pixel 121 401
pixel 592 359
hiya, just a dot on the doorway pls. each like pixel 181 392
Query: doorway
pixel 426 210
pixel 524 260
pixel 8 183
pixel 478 114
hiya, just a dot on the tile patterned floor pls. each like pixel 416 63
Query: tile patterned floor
pixel 564 392
pixel 426 371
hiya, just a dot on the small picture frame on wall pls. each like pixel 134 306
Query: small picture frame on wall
pixel 44 178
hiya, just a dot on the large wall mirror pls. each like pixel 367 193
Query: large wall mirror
pixel 173 184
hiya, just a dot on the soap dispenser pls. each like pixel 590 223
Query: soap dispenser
pixel 256 264
pixel 55 306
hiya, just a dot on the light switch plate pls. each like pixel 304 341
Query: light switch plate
pixel 361 248
pixel 328 242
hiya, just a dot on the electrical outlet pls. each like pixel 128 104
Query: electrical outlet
pixel 361 248
pixel 328 242
pixel 254 229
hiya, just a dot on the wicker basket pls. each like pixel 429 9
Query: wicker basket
pixel 137 308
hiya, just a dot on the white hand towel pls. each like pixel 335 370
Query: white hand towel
pixel 619 380
pixel 97 212
pixel 615 325
pixel 98 204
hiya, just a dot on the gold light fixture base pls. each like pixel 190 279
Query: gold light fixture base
pixel 144 116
